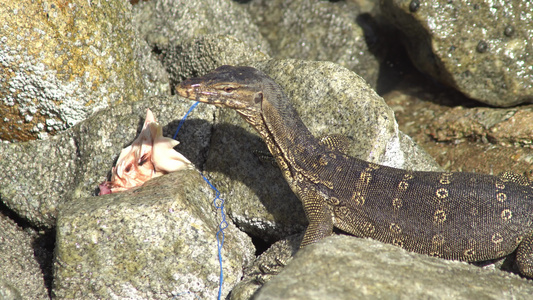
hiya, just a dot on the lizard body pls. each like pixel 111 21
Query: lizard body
pixel 452 215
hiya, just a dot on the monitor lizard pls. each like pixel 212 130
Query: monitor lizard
pixel 452 215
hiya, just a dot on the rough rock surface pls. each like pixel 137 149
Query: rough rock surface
pixel 347 105
pixel 21 276
pixel 319 30
pixel 168 22
pixel 203 54
pixel 504 126
pixel 197 36
pixel 482 48
pixel 153 242
pixel 461 136
pixel 38 175
pixel 60 63
pixel 139 242
pixel 343 267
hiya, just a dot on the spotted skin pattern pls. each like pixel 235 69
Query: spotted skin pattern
pixel 460 216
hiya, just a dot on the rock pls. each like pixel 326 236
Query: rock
pixel 205 53
pixel 153 242
pixel 319 31
pixel 167 22
pixel 266 266
pixel 194 37
pixel 23 266
pixel 464 138
pixel 8 292
pixel 158 241
pixel 330 100
pixel 483 49
pixel 344 267
pixel 38 175
pixel 61 63
pixel 503 126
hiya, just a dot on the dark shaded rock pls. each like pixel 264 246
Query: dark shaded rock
pixel 205 53
pixel 170 22
pixel 21 276
pixel 482 49
pixel 193 37
pixel 266 266
pixel 318 31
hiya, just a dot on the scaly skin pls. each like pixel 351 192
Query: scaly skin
pixel 464 216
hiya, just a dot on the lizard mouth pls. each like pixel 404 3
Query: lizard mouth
pixel 192 90
pixel 189 90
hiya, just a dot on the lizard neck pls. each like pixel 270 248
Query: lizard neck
pixel 286 136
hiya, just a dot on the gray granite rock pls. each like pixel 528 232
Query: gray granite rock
pixel 344 267
pixel 8 292
pixel 153 242
pixel 38 175
pixel 158 241
pixel 331 100
pixel 197 36
pixel 166 22
pixel 21 275
pixel 61 63
pixel 481 48
pixel 205 53
pixel 320 31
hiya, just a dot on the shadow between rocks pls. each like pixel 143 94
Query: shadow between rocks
pixel 233 151
pixel 43 249
pixel 43 243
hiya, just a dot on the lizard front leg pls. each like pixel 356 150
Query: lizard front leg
pixel 319 215
pixel 524 256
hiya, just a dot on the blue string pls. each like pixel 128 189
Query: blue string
pixel 220 233
pixel 185 117
pixel 223 224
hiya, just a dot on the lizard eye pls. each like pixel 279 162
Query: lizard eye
pixel 229 89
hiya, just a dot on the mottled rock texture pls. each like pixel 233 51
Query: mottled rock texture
pixel 333 31
pixel 342 267
pixel 195 37
pixel 481 48
pixel 168 22
pixel 158 241
pixel 23 267
pixel 153 242
pixel 61 62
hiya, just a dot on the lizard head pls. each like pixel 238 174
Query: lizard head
pixel 239 88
